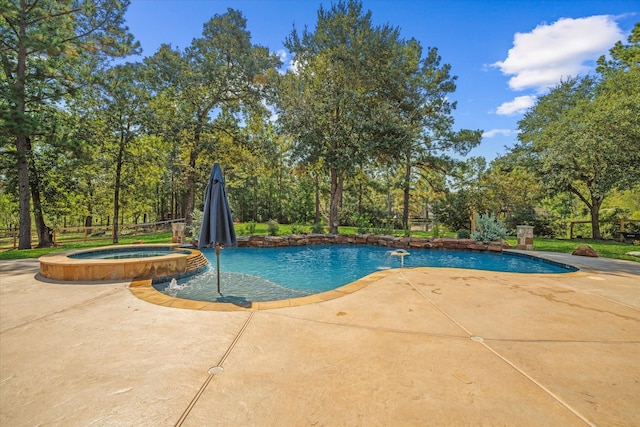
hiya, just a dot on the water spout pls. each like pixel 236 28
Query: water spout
pixel 401 253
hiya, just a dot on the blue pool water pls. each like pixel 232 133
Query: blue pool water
pixel 268 274
pixel 125 253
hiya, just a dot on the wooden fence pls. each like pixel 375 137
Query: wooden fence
pixel 9 237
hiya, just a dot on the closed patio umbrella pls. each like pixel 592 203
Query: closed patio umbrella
pixel 217 223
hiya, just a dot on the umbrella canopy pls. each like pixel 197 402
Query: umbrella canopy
pixel 217 222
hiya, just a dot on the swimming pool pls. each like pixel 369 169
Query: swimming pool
pixel 269 274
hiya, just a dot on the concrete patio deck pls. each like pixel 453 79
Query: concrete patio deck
pixel 416 347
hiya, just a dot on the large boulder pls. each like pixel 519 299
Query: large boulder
pixel 585 250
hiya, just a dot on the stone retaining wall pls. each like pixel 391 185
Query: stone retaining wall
pixel 368 239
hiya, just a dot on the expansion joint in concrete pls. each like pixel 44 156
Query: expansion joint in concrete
pixel 218 368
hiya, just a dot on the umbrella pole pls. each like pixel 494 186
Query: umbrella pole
pixel 218 264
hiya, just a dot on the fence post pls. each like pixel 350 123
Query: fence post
pixel 15 239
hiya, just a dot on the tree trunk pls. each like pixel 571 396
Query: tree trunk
pixel 337 181
pixel 23 193
pixel 255 198
pixel 316 181
pixel 22 144
pixel 88 221
pixel 407 195
pixel 116 190
pixel 190 197
pixel 596 202
pixel 88 224
pixel 45 234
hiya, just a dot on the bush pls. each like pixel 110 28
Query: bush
pixel 463 233
pixel 545 223
pixel 273 227
pixel 250 228
pixel 383 229
pixel 194 229
pixel 436 230
pixel 610 230
pixel 489 229
pixel 363 223
pixel 297 229
pixel 317 228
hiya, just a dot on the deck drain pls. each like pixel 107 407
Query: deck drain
pixel 215 370
pixel 477 339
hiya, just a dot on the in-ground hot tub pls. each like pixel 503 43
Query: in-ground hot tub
pixel 123 262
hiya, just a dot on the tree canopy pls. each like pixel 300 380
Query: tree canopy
pixel 584 136
pixel 361 94
pixel 50 48
pixel 358 131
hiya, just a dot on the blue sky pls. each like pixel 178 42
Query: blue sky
pixel 504 52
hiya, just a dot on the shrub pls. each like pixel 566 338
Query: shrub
pixel 196 223
pixel 546 223
pixel 317 228
pixel 273 227
pixel 250 228
pixel 363 223
pixel 463 233
pixel 297 229
pixel 383 229
pixel 436 230
pixel 489 229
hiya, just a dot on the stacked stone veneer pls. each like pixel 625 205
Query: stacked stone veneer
pixel 368 239
pixel 196 261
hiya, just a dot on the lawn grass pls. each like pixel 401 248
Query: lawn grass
pixel 606 249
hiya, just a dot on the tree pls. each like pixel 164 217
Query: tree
pixel 585 137
pixel 48 47
pixel 341 102
pixel 121 103
pixel 465 196
pixel 219 72
pixel 426 112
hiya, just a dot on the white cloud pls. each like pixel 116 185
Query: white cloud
pixel 288 64
pixel 282 54
pixel 568 47
pixel 504 132
pixel 519 105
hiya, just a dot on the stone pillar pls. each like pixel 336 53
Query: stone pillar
pixel 177 232
pixel 525 237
